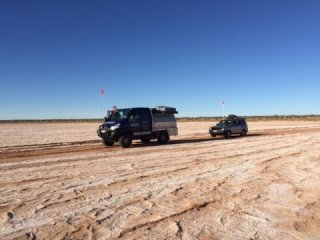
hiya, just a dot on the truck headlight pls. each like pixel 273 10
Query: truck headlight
pixel 114 127
pixel 222 129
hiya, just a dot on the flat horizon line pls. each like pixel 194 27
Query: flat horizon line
pixel 252 117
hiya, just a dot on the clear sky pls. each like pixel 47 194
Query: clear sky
pixel 260 57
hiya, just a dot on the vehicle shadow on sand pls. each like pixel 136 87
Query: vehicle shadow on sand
pixel 194 140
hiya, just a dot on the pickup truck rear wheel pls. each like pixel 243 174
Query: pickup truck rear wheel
pixel 243 133
pixel 125 141
pixel 107 142
pixel 227 134
pixel 163 138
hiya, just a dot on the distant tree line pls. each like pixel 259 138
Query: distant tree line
pixel 311 117
pixel 50 120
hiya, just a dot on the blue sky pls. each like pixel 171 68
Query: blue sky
pixel 260 57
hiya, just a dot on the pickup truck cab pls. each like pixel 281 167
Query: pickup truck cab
pixel 146 124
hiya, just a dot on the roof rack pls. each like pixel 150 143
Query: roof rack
pixel 164 109
pixel 233 116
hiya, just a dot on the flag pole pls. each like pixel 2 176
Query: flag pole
pixel 223 112
pixel 102 102
pixel 223 109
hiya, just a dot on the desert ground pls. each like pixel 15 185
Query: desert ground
pixel 57 181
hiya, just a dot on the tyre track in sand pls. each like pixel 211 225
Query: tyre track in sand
pixel 189 189
pixel 21 152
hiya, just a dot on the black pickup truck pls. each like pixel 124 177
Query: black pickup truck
pixel 127 124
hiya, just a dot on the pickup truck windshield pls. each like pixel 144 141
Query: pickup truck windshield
pixel 120 114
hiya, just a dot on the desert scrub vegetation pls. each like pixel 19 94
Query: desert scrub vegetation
pixel 311 117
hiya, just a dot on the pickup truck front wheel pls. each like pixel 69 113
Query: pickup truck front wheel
pixel 125 141
pixel 163 138
pixel 107 142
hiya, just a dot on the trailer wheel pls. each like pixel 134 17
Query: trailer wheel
pixel 145 140
pixel 163 138
pixel 125 141
pixel 107 142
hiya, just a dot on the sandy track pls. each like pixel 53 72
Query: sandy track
pixel 264 186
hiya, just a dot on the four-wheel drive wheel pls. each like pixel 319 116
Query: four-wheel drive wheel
pixel 227 134
pixel 213 135
pixel 145 140
pixel 125 141
pixel 243 133
pixel 163 138
pixel 107 142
